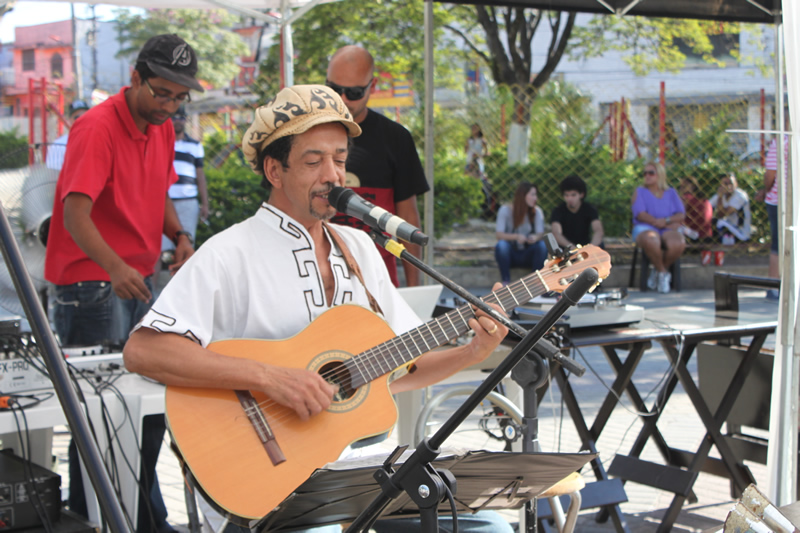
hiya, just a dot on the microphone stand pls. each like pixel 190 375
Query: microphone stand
pixel 398 250
pixel 416 476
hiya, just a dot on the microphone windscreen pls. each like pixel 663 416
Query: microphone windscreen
pixel 339 197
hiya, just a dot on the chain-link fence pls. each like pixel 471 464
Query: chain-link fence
pixel 566 132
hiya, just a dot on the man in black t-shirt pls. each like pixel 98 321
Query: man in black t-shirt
pixel 575 221
pixel 383 165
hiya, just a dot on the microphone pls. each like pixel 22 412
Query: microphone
pixel 348 202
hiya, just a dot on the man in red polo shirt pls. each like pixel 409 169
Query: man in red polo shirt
pixel 110 211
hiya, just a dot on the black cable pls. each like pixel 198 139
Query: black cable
pixel 453 509
pixel 82 399
pixel 142 483
pixel 33 491
pixel 110 460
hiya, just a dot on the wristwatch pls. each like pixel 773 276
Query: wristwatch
pixel 666 221
pixel 182 232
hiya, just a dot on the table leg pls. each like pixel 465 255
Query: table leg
pixel 588 443
pixel 624 373
pixel 713 423
pixel 649 428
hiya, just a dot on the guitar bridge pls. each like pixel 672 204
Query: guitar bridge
pixel 261 426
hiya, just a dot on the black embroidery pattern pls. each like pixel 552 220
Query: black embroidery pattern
pixel 304 259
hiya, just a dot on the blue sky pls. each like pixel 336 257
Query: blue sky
pixel 30 13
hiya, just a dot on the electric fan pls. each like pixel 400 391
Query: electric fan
pixel 26 194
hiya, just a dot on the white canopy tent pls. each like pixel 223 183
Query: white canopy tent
pixel 782 463
pixel 783 445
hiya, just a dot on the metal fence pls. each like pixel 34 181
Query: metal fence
pixel 606 143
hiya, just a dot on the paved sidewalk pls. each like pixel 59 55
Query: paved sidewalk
pixel 557 433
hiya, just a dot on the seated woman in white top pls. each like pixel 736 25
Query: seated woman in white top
pixel 731 211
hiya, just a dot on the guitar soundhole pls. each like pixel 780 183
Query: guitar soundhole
pixel 336 373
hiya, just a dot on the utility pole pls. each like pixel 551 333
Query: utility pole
pixel 77 69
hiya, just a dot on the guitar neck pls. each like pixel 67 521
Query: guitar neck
pixel 392 354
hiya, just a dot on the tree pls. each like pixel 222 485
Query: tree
pixel 218 50
pixel 391 31
pixel 504 39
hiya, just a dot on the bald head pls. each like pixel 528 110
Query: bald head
pixel 352 67
pixel 351 57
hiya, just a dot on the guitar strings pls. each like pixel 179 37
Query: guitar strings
pixel 342 371
pixel 495 297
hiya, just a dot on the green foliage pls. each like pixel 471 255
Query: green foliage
pixel 218 50
pixel 391 31
pixel 458 197
pixel 14 148
pixel 234 194
pixel 651 43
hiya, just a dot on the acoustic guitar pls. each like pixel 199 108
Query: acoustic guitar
pixel 248 453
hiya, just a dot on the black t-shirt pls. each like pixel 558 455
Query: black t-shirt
pixel 383 166
pixel 577 227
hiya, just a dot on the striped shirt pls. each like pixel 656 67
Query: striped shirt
pixel 188 158
pixel 771 163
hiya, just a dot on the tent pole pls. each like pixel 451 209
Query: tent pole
pixel 782 451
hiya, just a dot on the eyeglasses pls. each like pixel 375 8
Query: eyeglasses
pixel 649 172
pixel 162 99
pixel 352 93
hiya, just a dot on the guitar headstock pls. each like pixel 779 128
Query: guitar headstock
pixel 559 273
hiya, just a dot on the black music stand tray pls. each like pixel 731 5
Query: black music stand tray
pixel 486 480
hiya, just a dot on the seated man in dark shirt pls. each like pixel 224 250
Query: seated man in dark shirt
pixel 575 221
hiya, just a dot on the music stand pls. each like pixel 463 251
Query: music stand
pixel 340 491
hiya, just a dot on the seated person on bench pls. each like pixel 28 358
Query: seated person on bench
pixel 657 214
pixel 731 211
pixel 575 221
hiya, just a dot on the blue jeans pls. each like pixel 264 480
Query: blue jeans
pixel 772 216
pixel 508 255
pixel 87 314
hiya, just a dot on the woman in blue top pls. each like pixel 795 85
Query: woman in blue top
pixel 520 233
pixel 657 214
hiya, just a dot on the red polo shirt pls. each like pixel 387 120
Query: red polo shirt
pixel 126 173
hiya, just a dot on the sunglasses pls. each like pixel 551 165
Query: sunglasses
pixel 649 172
pixel 352 93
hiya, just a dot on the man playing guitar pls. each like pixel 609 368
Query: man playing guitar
pixel 270 277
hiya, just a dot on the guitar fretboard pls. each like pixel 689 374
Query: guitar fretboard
pixel 386 357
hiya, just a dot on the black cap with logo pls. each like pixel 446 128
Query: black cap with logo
pixel 171 58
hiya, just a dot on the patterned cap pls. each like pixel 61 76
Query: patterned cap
pixel 293 111
pixel 171 58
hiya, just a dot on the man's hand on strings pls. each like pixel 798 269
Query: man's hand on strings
pixel 303 391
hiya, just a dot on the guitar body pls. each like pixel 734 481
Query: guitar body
pixel 223 450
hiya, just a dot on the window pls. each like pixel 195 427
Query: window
pixel 28 60
pixel 56 67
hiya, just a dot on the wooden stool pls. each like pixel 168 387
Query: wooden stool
pixel 570 485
